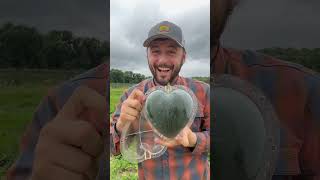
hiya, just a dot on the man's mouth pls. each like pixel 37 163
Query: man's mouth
pixel 164 72
pixel 163 69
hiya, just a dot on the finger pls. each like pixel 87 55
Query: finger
pixel 178 138
pixel 53 172
pixel 124 119
pixel 80 134
pixel 183 133
pixel 83 98
pixel 165 143
pixel 138 95
pixel 183 140
pixel 133 103
pixel 128 117
pixel 68 157
pixel 131 111
pixel 92 172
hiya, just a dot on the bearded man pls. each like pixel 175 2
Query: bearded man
pixel 187 155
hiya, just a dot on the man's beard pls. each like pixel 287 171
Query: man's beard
pixel 174 74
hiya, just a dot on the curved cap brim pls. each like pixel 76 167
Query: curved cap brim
pixel 150 39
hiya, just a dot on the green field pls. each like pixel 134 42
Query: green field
pixel 120 168
pixel 20 93
pixel 16 108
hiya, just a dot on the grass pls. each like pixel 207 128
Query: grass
pixel 16 110
pixel 115 94
pixel 21 92
pixel 120 168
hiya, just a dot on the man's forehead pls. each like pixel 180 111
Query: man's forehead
pixel 167 41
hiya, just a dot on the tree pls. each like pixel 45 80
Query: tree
pixel 20 46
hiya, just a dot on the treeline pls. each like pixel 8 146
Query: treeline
pixel 118 76
pixel 307 57
pixel 26 47
pixel 203 79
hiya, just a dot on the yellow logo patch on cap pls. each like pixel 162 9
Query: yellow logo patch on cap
pixel 164 28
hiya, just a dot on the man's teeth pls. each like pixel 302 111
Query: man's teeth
pixel 163 69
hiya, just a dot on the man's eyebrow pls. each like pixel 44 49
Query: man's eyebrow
pixel 174 47
pixel 153 46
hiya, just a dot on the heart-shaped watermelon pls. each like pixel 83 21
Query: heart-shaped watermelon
pixel 169 110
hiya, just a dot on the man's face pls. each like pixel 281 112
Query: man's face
pixel 165 58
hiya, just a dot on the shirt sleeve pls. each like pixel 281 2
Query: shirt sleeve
pixel 22 168
pixel 203 137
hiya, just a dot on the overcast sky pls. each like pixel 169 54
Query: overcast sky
pixel 131 20
pixel 258 24
pixel 82 17
pixel 255 24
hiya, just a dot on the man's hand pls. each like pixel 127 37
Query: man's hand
pixel 186 138
pixel 68 147
pixel 130 109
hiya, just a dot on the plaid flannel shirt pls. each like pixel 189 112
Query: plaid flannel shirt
pixel 178 162
pixel 294 91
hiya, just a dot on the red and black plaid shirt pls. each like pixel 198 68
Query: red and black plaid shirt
pixel 294 91
pixel 178 162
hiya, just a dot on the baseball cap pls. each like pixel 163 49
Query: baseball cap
pixel 165 29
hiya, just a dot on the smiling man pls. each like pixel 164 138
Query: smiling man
pixel 186 157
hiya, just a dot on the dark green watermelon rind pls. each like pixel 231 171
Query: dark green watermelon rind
pixel 170 129
pixel 194 103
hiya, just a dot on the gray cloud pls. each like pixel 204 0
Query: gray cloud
pixel 258 24
pixel 84 18
pixel 129 30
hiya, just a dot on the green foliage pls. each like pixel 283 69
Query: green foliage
pixel 118 76
pixel 309 58
pixel 203 79
pixel 25 47
pixel 120 168
pixel 115 94
pixel 19 46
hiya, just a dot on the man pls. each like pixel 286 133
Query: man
pixel 186 156
pixel 293 90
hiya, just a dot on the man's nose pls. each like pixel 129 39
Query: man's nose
pixel 162 59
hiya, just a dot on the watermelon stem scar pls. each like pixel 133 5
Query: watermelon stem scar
pixel 168 88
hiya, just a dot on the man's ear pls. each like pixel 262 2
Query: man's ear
pixel 147 52
pixel 184 56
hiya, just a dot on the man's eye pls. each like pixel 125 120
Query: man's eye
pixel 172 52
pixel 155 51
